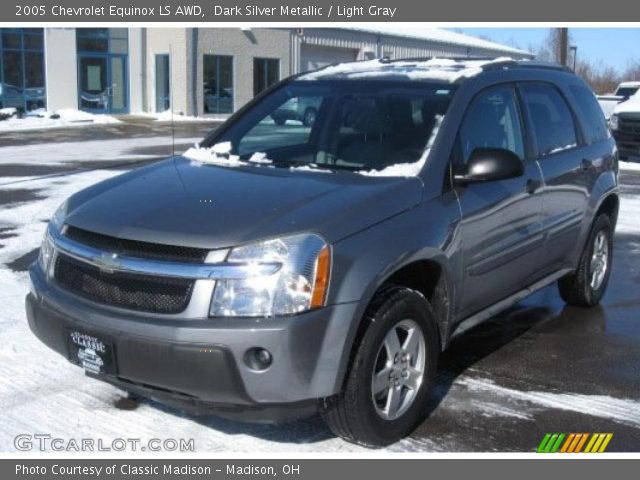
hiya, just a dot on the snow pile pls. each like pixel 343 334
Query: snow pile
pixel 42 119
pixel 630 166
pixel 310 168
pixel 168 116
pixel 408 169
pixel 220 154
pixel 261 158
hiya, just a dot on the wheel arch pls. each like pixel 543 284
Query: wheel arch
pixel 430 277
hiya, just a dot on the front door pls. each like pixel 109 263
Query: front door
pixel 102 83
pixel 501 227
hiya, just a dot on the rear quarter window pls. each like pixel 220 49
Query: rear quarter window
pixel 591 115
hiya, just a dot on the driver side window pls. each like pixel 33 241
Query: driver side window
pixel 492 121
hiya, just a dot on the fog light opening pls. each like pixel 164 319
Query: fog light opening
pixel 258 359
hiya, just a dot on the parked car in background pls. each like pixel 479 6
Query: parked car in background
pixel 610 101
pixel 329 266
pixel 217 100
pixel 303 109
pixel 625 126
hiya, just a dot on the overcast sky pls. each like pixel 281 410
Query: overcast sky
pixel 612 46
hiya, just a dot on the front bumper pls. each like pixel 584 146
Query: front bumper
pixel 198 364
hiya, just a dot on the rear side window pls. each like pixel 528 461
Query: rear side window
pixel 590 112
pixel 552 120
pixel 492 121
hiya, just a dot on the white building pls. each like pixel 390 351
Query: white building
pixel 197 71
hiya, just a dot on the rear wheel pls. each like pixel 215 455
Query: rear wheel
pixel 586 286
pixel 386 390
pixel 309 117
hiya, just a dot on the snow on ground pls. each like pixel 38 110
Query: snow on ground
pixel 85 151
pixel 41 392
pixel 68 117
pixel 630 166
pixel 168 116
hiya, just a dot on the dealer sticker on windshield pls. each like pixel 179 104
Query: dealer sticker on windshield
pixel 91 353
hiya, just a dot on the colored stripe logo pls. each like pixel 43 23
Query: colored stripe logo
pixel 574 443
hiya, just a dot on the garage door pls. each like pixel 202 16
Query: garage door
pixel 314 56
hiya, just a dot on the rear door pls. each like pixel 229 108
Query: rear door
pixel 501 220
pixel 567 169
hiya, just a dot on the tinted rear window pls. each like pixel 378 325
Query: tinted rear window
pixel 591 115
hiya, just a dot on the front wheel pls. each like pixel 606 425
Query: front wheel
pixel 586 286
pixel 387 387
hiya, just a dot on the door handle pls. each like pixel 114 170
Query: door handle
pixel 532 185
pixel 586 164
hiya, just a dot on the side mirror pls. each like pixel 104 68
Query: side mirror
pixel 489 164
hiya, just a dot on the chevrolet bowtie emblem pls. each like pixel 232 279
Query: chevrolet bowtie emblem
pixel 107 262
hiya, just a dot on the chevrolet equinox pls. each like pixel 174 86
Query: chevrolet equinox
pixel 284 268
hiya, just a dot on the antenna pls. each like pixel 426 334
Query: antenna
pixel 173 130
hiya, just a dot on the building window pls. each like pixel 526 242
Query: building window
pixel 106 40
pixel 218 83
pixel 266 72
pixel 102 69
pixel 22 75
pixel 163 84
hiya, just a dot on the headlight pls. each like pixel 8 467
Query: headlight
pixel 300 284
pixel 46 249
pixel 613 122
pixel 46 252
pixel 59 216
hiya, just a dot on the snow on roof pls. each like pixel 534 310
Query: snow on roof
pixel 629 84
pixel 440 36
pixel 434 69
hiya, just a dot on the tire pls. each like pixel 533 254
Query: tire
pixel 582 288
pixel 357 414
pixel 309 117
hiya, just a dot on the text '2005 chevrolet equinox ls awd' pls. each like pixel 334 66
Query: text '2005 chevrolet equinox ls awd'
pixel 279 268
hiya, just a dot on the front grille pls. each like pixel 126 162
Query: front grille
pixel 143 293
pixel 135 248
pixel 628 138
pixel 629 126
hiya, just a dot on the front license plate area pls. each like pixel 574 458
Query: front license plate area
pixel 94 354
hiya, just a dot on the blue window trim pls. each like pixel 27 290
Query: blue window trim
pixel 265 81
pixel 24 98
pixel 217 59
pixel 165 99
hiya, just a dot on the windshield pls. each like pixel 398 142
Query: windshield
pixel 626 92
pixel 339 125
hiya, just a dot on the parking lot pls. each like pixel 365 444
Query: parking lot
pixel 539 367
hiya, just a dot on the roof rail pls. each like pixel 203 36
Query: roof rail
pixel 527 64
pixel 492 62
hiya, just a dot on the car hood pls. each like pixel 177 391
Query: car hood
pixel 631 106
pixel 179 202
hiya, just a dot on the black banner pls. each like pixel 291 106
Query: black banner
pixel 298 11
pixel 318 469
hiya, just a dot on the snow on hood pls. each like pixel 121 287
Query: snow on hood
pixel 437 69
pixel 630 106
pixel 220 154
